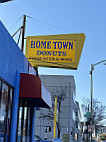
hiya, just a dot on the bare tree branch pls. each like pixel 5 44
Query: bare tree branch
pixel 98 110
pixel 60 94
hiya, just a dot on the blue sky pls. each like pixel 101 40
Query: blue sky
pixel 72 16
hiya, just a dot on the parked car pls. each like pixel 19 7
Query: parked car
pixel 39 139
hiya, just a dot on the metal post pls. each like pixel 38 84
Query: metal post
pixel 69 110
pixel 23 32
pixel 55 114
pixel 91 71
pixel 91 94
pixel 91 90
pixel 88 136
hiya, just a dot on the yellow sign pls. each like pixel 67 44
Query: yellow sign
pixel 61 51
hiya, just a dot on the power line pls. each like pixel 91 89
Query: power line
pixel 16 22
pixel 41 21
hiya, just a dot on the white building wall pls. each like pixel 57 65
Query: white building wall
pixel 77 119
pixel 53 83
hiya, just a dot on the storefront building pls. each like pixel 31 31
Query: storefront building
pixel 21 91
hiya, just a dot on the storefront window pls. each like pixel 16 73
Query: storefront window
pixel 9 109
pixel 23 129
pixel 28 133
pixel 6 94
pixel 19 136
pixel 4 102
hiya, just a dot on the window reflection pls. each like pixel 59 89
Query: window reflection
pixel 9 110
pixel 23 130
pixel 6 94
pixel 4 102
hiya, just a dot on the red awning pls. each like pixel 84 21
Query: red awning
pixel 33 91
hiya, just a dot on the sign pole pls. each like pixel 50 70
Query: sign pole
pixel 55 114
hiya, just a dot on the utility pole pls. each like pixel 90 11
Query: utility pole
pixel 23 32
pixel 92 68
pixel 88 123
